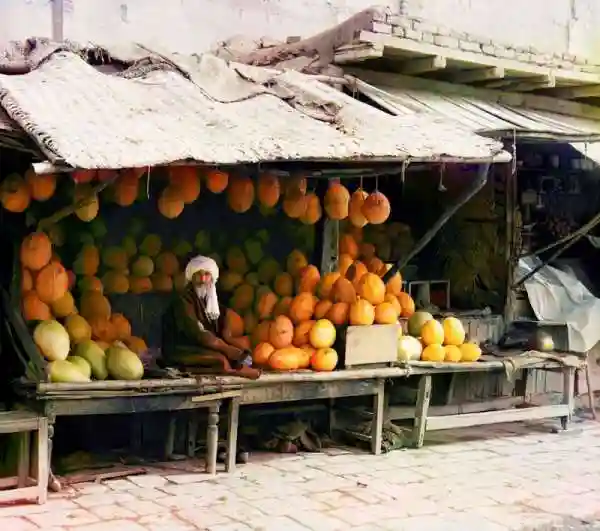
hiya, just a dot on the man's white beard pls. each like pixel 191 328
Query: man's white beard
pixel 207 293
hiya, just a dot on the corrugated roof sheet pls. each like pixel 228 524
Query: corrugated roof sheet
pixel 204 109
pixel 480 116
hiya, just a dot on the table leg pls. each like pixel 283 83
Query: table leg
pixel 43 471
pixel 568 394
pixel 378 414
pixel 590 388
pixel 421 410
pixel 192 434
pixel 53 483
pixel 212 438
pixel 232 433
pixel 24 457
pixel 170 442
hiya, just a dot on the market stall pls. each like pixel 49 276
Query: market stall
pixel 99 253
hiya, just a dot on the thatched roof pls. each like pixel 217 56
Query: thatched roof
pixel 166 108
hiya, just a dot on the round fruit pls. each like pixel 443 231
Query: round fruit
pixel 435 353
pixel 454 331
pixel 416 322
pixel 452 353
pixel 409 348
pixel 362 313
pixel 322 334
pixel 432 333
pixel 470 352
pixel 324 359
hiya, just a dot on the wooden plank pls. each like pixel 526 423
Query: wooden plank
pixel 479 74
pixel 356 53
pixel 117 385
pixel 18 421
pixel 474 58
pixel 127 405
pixel 371 344
pixel 573 93
pixel 408 412
pixel 422 65
pixel 287 392
pixel 269 378
pixel 378 418
pixel 496 417
pixel 422 411
pixel 528 101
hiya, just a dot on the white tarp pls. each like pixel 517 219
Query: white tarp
pixel 558 296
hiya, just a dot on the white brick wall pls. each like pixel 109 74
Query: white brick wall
pixel 557 26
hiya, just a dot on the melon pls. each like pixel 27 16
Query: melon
pixel 416 322
pixel 123 364
pixel 409 348
pixel 93 353
pixel 52 340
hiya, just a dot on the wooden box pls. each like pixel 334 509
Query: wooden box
pixel 371 345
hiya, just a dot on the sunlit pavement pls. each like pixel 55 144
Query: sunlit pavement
pixel 494 478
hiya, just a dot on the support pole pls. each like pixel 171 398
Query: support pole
pixel 477 185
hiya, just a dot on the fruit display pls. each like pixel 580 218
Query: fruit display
pixel 436 341
pixel 279 305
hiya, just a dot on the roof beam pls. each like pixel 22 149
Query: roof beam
pixel 531 101
pixel 356 53
pixel 532 84
pixel 479 74
pixel 422 65
pixel 573 93
pixel 476 59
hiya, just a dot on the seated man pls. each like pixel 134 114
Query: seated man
pixel 194 332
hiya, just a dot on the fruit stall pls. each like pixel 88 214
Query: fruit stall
pixel 316 265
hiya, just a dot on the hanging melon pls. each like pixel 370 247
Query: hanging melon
pixel 268 190
pixel 295 186
pixel 186 181
pixel 14 194
pixel 376 208
pixel 138 285
pixel 83 176
pixel 337 201
pixel 216 181
pixel 52 282
pixel 294 205
pixel 313 211
pixel 41 187
pixel 36 251
pixel 348 245
pixel 90 202
pixel 26 280
pixel 240 194
pixel 170 202
pixel 357 218
pixel 126 189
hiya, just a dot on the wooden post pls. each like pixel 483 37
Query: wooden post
pixel 422 410
pixel 58 11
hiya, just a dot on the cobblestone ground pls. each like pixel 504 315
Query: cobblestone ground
pixel 507 477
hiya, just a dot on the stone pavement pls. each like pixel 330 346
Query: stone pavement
pixel 497 478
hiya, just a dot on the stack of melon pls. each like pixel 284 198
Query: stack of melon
pixel 78 360
pixel 281 307
pixel 431 340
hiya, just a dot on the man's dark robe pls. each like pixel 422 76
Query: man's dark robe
pixel 191 339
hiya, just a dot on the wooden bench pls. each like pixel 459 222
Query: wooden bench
pixel 428 418
pixel 31 481
pixel 309 385
pixel 129 397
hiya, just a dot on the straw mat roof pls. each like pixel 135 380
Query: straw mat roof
pixel 202 108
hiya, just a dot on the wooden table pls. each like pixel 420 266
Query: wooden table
pixel 310 385
pixel 424 420
pixel 122 397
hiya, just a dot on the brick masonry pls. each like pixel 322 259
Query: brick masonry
pixel 495 478
pixel 417 29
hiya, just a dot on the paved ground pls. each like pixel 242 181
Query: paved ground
pixel 508 477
